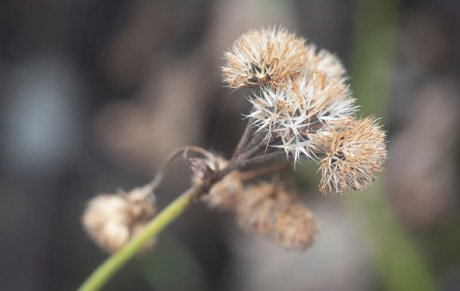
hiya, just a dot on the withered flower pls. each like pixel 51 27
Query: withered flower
pixel 293 114
pixel 354 154
pixel 269 210
pixel 264 57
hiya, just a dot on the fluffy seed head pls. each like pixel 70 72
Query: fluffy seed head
pixel 291 115
pixel 264 57
pixel 353 155
pixel 111 220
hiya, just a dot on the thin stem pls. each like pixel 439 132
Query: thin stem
pixel 265 158
pixel 244 139
pixel 255 140
pixel 248 175
pixel 105 271
pixel 183 150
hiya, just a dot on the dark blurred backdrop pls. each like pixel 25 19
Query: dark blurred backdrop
pixel 95 93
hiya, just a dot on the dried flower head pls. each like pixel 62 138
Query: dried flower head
pixel 225 194
pixel 264 57
pixel 268 210
pixel 354 154
pixel 291 115
pixel 295 227
pixel 258 206
pixel 111 220
pixel 324 62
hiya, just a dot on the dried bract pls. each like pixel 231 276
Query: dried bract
pixel 264 57
pixel 354 154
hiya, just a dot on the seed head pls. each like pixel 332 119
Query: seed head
pixel 309 103
pixel 295 227
pixel 324 62
pixel 225 194
pixel 353 155
pixel 111 220
pixel 264 57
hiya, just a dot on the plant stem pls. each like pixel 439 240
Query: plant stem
pixel 105 271
pixel 244 139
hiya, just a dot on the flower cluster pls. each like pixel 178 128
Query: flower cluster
pixel 303 106
pixel 266 209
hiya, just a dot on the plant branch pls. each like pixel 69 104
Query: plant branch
pixel 244 139
pixel 172 156
pixel 108 268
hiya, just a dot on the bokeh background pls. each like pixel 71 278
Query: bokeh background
pixel 95 93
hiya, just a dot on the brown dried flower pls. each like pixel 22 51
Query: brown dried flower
pixel 295 227
pixel 111 220
pixel 264 57
pixel 354 154
pixel 324 62
pixel 294 113
pixel 258 206
pixel 225 194
pixel 268 210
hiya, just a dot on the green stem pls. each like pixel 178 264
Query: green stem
pixel 105 271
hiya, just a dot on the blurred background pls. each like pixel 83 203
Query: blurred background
pixel 93 94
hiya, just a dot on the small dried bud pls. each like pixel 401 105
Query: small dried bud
pixel 225 193
pixel 264 57
pixel 204 169
pixel 295 227
pixel 111 220
pixel 258 207
pixel 322 61
pixel 354 154
pixel 296 112
pixel 267 210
